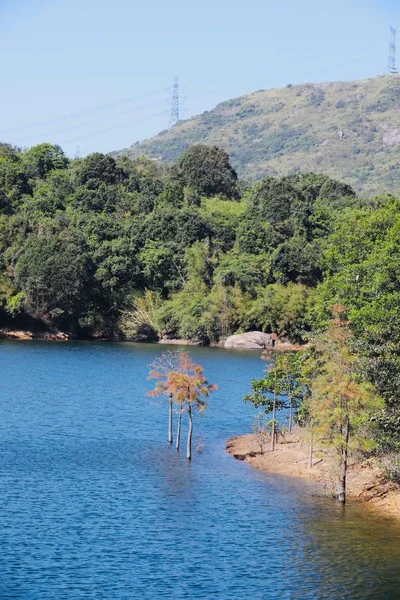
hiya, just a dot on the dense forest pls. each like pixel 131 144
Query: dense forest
pixel 120 248
pixel 111 248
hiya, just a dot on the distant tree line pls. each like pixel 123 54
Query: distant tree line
pixel 87 242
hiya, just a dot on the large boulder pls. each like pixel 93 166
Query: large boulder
pixel 252 340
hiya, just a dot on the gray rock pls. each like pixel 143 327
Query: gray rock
pixel 250 340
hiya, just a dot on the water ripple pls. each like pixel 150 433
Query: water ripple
pixel 93 504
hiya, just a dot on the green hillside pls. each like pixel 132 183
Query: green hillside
pixel 348 130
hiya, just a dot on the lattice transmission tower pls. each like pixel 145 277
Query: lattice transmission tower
pixel 392 52
pixel 175 104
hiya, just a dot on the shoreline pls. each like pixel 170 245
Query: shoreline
pixel 9 333
pixel 365 481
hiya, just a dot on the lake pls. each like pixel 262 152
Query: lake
pixel 94 504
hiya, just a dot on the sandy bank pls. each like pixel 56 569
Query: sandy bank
pixel 23 334
pixel 365 481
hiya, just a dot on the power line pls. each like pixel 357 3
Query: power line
pixel 114 127
pixel 83 113
pixel 176 113
pixel 121 126
pixel 88 123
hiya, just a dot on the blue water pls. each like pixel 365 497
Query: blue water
pixel 94 504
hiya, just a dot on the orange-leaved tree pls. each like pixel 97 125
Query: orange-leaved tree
pixel 185 367
pixel 160 370
pixel 189 389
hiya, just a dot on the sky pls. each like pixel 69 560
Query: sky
pixel 97 75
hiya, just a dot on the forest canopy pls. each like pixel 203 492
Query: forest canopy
pixel 85 241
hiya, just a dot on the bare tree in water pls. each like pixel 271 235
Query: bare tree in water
pixel 160 370
pixel 189 388
pixel 183 383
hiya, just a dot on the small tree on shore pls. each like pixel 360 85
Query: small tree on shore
pixel 261 430
pixel 288 367
pixel 341 404
pixel 267 394
pixel 309 366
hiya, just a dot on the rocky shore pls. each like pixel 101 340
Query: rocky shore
pixel 254 340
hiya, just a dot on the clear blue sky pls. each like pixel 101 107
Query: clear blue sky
pixel 68 57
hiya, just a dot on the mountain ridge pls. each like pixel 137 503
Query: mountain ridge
pixel 347 130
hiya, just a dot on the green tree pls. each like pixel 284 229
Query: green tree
pixel 245 271
pixel 267 394
pixel 297 261
pixel 206 170
pixel 97 168
pixel 273 200
pixel 362 273
pixel 55 275
pixel 342 405
pixel 14 184
pixel 141 320
pixel 287 310
pixel 289 367
pixel 42 159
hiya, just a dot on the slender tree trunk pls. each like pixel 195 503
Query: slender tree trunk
pixel 289 393
pixel 341 496
pixel 189 438
pixel 310 452
pixel 178 431
pixel 170 438
pixel 273 423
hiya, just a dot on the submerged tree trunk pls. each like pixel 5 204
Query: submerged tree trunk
pixel 178 430
pixel 341 495
pixel 170 438
pixel 189 438
pixel 273 423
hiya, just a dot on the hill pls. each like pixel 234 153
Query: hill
pixel 348 130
